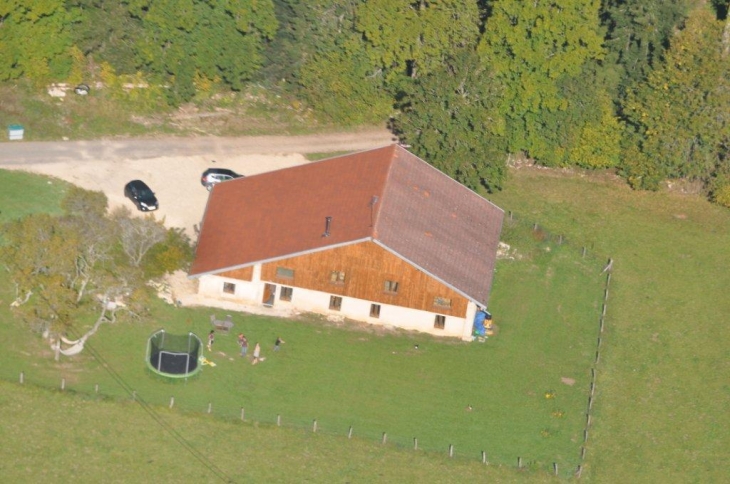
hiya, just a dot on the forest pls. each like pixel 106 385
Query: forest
pixel 640 87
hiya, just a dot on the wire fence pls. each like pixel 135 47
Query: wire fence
pixel 515 230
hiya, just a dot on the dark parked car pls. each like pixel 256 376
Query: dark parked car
pixel 141 195
pixel 211 176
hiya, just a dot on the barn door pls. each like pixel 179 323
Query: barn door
pixel 269 294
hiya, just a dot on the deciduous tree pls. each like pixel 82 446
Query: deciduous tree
pixel 35 40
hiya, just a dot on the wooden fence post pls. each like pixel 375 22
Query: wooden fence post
pixel 584 252
pixel 519 462
pixel 484 458
pixel 63 384
pixel 278 420
pixel 22 377
pixel 172 401
pixel 451 450
pixel 243 414
pixel 349 433
pixel 579 471
pixel 555 468
pixel 415 443
pixel 314 425
pixel 385 438
pixel 96 388
pixel 210 407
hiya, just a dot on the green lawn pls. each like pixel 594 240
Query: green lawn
pixel 24 193
pixel 662 390
pixel 546 305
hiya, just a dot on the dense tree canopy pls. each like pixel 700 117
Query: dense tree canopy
pixel 681 115
pixel 636 84
pixel 35 39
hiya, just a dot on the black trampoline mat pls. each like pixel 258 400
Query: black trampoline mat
pixel 173 363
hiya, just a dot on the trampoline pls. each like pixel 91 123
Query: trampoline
pixel 172 355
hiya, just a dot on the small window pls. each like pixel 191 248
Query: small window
pixel 285 273
pixel 229 288
pixel 391 287
pixel 337 277
pixel 286 293
pixel 439 322
pixel 442 302
pixel 375 310
pixel 335 303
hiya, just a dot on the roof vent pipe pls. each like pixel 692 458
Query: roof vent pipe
pixel 327 223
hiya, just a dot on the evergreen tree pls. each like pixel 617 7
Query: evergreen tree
pixel 680 116
pixel 638 33
pixel 451 118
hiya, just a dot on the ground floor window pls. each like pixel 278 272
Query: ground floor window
pixel 335 303
pixel 229 288
pixel 439 322
pixel 375 310
pixel 286 293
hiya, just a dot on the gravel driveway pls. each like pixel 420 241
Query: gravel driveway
pixel 172 166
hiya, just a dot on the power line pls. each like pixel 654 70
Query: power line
pixel 217 471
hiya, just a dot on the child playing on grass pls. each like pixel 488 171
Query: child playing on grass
pixel 211 340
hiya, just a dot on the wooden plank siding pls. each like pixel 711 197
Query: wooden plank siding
pixel 366 266
pixel 245 274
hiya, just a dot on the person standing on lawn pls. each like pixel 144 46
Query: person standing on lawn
pixel 244 345
pixel 256 354
pixel 278 343
pixel 211 339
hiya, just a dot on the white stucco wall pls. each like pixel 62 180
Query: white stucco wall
pixel 211 288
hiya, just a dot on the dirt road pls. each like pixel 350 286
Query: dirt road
pixel 172 166
pixel 137 149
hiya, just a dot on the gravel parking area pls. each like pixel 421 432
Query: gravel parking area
pixel 172 167
pixel 175 180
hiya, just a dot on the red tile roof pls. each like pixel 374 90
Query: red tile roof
pixel 387 195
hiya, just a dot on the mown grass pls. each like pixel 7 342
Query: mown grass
pixel 24 193
pixel 662 388
pixel 546 305
pixel 55 437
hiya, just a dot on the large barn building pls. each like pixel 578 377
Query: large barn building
pixel 378 236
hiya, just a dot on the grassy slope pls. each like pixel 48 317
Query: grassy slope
pixel 662 387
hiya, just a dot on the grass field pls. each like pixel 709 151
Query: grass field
pixel 663 393
pixel 375 381
pixel 662 382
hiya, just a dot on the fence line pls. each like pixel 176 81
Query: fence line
pixel 539 234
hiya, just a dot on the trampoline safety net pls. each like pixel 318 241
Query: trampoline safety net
pixel 173 355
